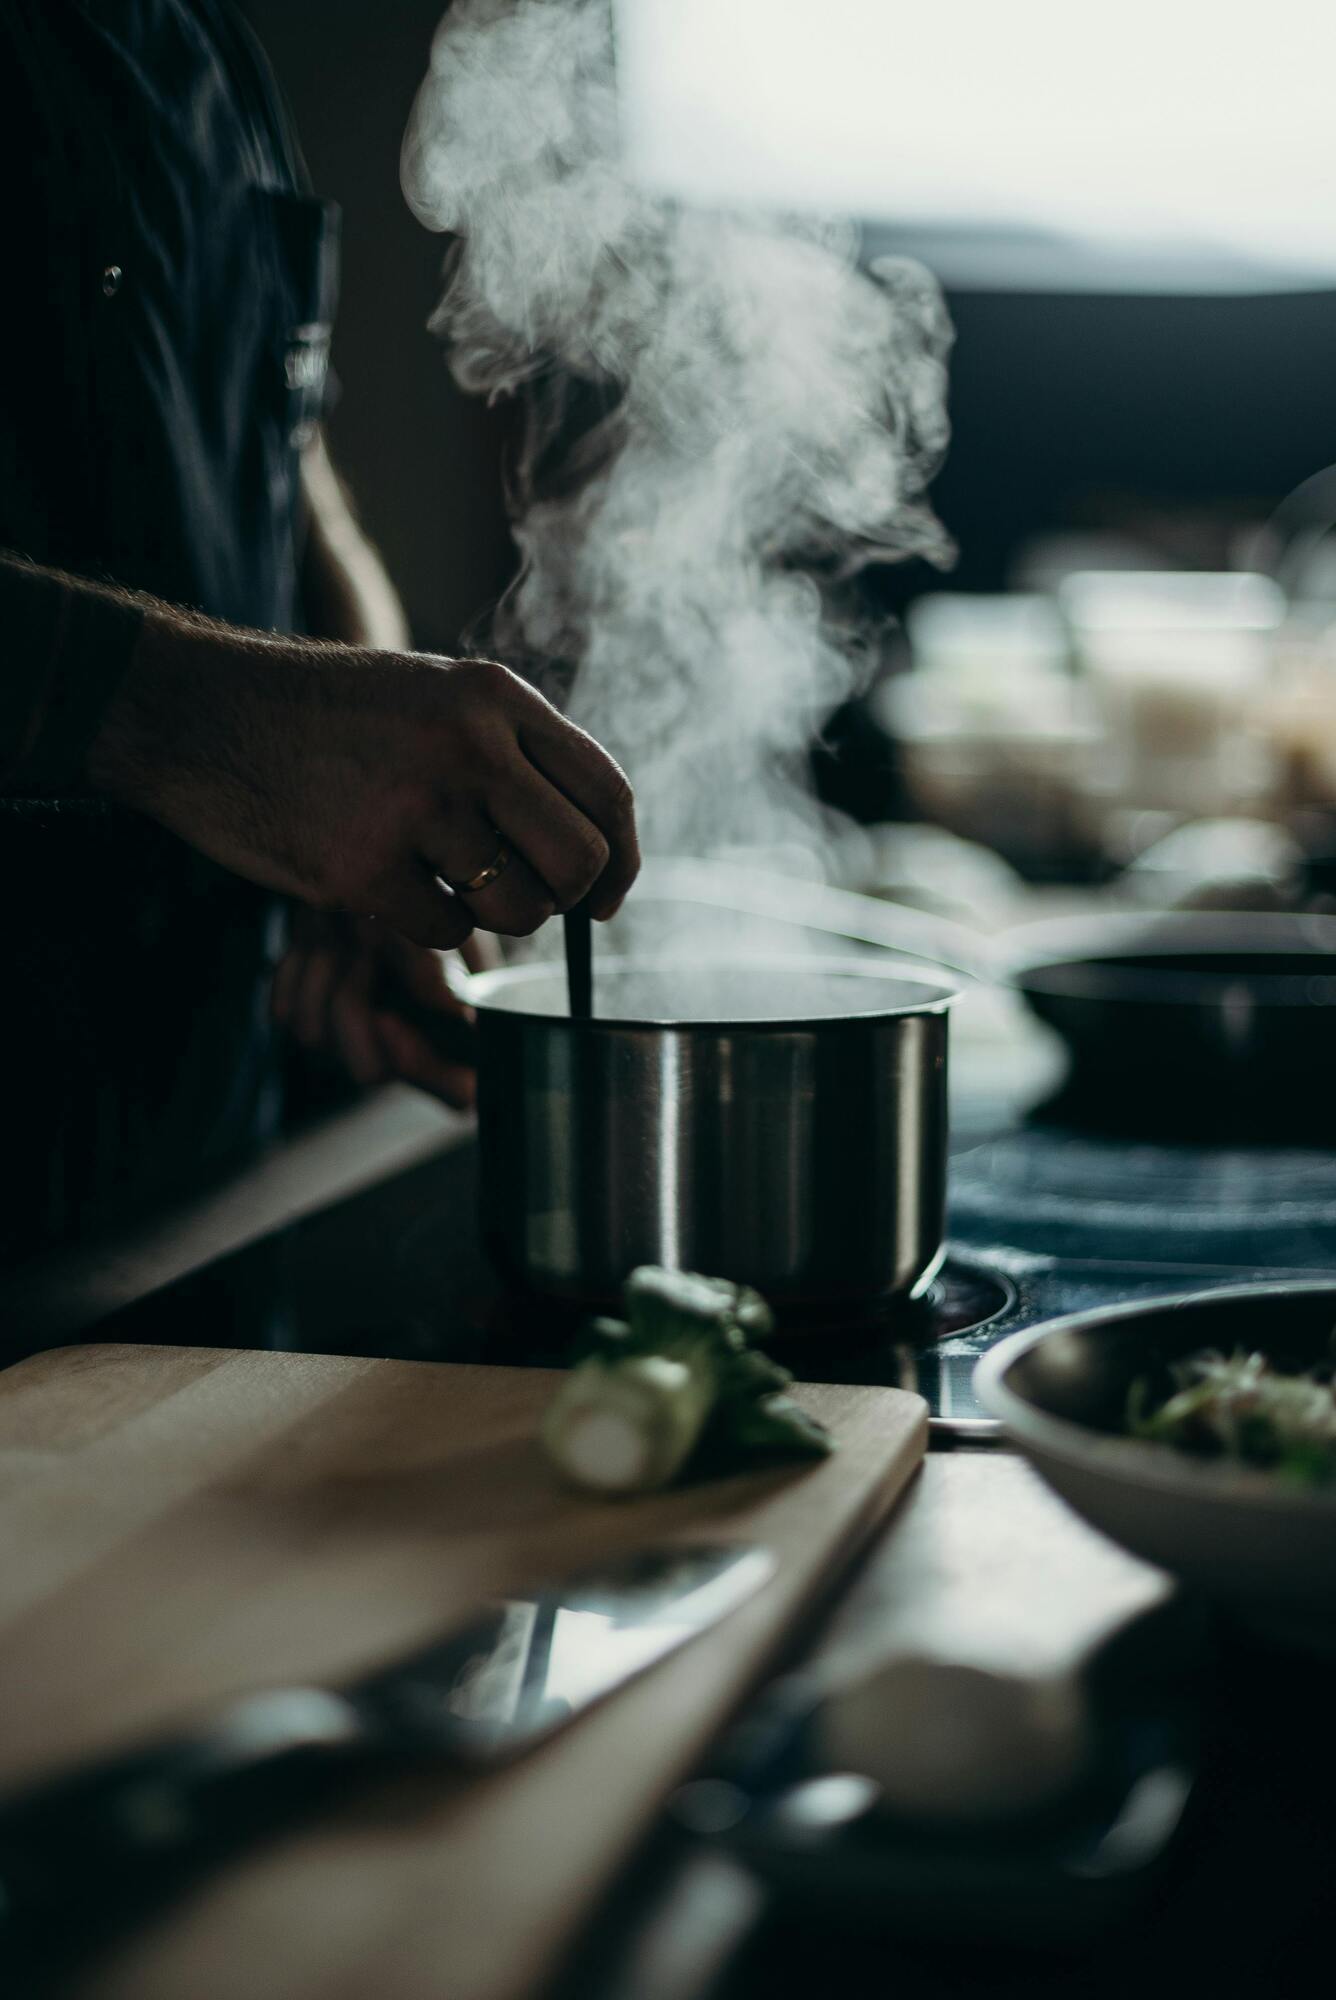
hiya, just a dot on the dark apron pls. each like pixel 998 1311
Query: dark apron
pixel 177 295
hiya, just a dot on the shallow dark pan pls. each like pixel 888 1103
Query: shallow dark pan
pixel 1205 1026
pixel 1263 1546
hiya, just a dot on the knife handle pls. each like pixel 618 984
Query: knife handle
pixel 113 1837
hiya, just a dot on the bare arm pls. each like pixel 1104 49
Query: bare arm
pixel 352 779
pixel 366 781
pixel 64 651
pixel 65 645
pixel 345 586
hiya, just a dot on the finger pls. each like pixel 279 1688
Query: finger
pixel 583 770
pixel 421 908
pixel 412 1058
pixel 460 846
pixel 352 1024
pixel 481 952
pixel 314 991
pixel 564 848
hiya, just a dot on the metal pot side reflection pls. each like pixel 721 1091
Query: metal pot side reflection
pixel 805 1157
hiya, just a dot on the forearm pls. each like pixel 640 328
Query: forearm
pixel 352 778
pixel 65 648
pixel 157 733
pixel 118 693
pixel 202 709
pixel 66 644
pixel 345 586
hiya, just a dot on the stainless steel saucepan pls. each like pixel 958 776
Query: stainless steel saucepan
pixel 783 1124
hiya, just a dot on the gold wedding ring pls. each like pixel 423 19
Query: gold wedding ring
pixel 485 876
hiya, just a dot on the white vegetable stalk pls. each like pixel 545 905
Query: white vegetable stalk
pixel 675 1374
pixel 628 1426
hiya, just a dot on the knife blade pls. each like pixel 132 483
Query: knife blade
pixel 105 1843
pixel 529 1664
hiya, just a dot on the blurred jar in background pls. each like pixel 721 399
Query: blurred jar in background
pixel 996 738
pixel 1298 714
pixel 1177 666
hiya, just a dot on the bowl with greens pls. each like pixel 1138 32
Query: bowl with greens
pixel 1200 1432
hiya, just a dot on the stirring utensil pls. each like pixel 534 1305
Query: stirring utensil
pixel 579 963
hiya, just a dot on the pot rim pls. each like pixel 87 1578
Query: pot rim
pixel 937 1001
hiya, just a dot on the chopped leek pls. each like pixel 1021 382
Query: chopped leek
pixel 1241 1407
pixel 675 1387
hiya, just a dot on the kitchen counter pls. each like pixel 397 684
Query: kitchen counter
pixel 980 1559
pixel 982 1563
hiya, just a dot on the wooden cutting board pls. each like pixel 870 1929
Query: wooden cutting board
pixel 181 1524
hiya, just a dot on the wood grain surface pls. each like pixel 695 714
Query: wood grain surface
pixel 182 1524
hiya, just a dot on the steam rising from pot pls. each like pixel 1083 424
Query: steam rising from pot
pixel 725 419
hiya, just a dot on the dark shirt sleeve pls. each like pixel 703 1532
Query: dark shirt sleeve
pixel 64 647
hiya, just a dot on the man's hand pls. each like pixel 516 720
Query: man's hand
pixel 369 782
pixel 352 989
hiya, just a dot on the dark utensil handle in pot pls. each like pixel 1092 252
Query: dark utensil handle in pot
pixel 579 963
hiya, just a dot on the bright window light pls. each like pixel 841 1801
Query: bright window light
pixel 1206 121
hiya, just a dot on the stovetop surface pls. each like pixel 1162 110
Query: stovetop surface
pixel 1074 1222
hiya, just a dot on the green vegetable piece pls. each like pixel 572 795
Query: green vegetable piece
pixel 775 1427
pixel 1240 1407
pixel 746 1375
pixel 605 1337
pixel 753 1314
pixel 665 1309
pixel 676 1384
pixel 626 1426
